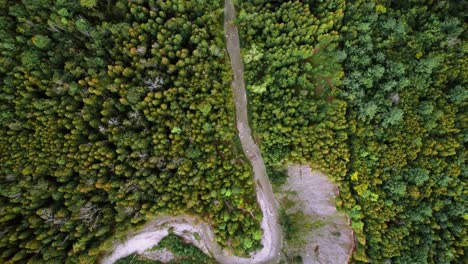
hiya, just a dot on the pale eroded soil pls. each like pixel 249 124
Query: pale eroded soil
pixel 331 241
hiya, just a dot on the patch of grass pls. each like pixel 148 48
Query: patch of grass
pixel 295 226
pixel 292 260
pixel 316 224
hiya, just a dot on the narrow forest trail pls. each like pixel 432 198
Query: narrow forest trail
pixel 186 226
pixel 272 235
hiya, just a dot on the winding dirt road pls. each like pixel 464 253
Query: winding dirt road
pixel 187 226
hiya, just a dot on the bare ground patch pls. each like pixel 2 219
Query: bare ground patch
pixel 328 237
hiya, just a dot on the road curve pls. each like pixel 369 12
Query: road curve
pixel 185 225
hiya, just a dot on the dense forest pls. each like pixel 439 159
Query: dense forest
pixel 406 78
pixel 112 112
pixel 375 95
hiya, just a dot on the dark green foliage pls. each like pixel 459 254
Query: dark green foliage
pixel 292 260
pixel 277 175
pixel 404 68
pixel 296 226
pixel 290 228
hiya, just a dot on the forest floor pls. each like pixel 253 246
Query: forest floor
pixel 330 238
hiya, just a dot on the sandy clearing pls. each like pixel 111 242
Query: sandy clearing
pixel 333 242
